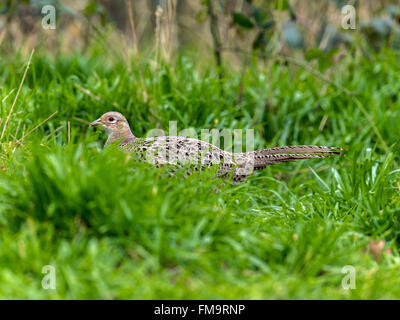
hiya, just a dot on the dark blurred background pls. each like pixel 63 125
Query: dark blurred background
pixel 220 28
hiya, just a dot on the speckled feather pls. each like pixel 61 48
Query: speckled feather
pixel 181 151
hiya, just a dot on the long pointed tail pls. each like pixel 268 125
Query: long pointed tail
pixel 303 149
pixel 265 157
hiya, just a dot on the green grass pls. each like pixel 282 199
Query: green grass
pixel 114 228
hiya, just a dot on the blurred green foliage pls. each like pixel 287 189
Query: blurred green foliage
pixel 114 228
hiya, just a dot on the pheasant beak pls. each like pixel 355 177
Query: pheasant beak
pixel 95 123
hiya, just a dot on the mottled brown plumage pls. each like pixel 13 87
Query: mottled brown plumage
pixel 180 151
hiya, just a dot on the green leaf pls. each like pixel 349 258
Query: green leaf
pixel 242 20
pixel 259 16
pixel 282 5
pixel 201 15
pixel 268 25
pixel 324 59
pixel 260 41
pixel 314 53
pixel 166 84
pixel 90 8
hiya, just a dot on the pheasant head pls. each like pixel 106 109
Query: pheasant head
pixel 116 126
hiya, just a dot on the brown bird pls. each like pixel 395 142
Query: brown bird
pixel 180 151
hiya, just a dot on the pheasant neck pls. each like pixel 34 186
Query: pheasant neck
pixel 123 136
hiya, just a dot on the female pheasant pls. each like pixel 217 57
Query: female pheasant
pixel 180 151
